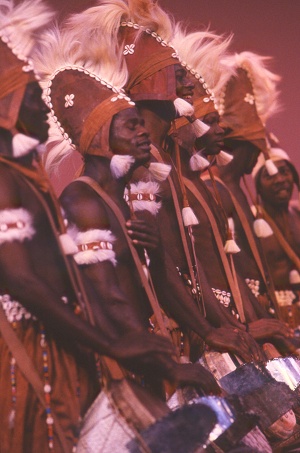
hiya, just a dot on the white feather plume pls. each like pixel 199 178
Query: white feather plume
pixel 19 24
pixel 264 82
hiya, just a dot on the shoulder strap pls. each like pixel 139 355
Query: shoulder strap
pixel 26 366
pixel 117 212
pixel 219 241
pixel 252 244
pixel 156 154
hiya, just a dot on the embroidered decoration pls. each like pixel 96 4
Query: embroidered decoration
pixel 94 246
pixel 69 98
pixel 13 310
pixel 129 49
pixel 249 98
pixel 253 285
pixel 223 297
pixel 15 225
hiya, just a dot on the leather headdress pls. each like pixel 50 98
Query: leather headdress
pixel 150 62
pixel 238 111
pixel 82 106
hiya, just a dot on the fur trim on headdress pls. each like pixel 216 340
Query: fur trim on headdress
pixel 22 144
pixel 264 82
pixel 120 165
pixel 19 24
pixel 159 171
pixel 223 158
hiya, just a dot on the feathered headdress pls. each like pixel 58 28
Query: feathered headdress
pixel 19 27
pixel 249 99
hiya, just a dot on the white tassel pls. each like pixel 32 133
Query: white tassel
pixel 23 144
pixel 262 229
pixel 200 128
pixel 120 165
pixel 183 108
pixel 159 171
pixel 223 158
pixel 271 167
pixel 189 217
pixel 294 277
pixel 254 210
pixel 198 162
pixel 231 246
pixel 68 245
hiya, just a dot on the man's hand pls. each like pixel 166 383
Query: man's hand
pixel 144 234
pixel 235 340
pixel 197 376
pixel 141 346
pixel 268 328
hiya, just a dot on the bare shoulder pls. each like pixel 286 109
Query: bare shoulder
pixel 83 207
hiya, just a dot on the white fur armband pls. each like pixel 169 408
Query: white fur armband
pixel 94 246
pixel 16 225
pixel 143 196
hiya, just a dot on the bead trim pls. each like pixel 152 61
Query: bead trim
pixel 103 245
pixel 285 298
pixel 28 62
pixel 254 286
pixel 120 94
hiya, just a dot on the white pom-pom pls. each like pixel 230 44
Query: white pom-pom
pixel 198 162
pixel 159 171
pixel 223 158
pixel 68 245
pixel 271 167
pixel 120 165
pixel 262 229
pixel 189 217
pixel 294 277
pixel 231 246
pixel 200 128
pixel 23 144
pixel 183 108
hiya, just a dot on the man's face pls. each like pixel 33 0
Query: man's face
pixel 212 142
pixel 32 120
pixel 184 85
pixel 244 154
pixel 128 136
pixel 277 189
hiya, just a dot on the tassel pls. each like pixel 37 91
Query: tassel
pixel 23 144
pixel 200 128
pixel 261 228
pixel 189 217
pixel 183 108
pixel 254 210
pixel 231 246
pixel 68 245
pixel 223 158
pixel 271 167
pixel 294 277
pixel 120 165
pixel 198 162
pixel 159 171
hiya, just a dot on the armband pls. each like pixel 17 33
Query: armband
pixel 16 225
pixel 94 246
pixel 144 197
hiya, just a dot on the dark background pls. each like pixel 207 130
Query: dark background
pixel 268 27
